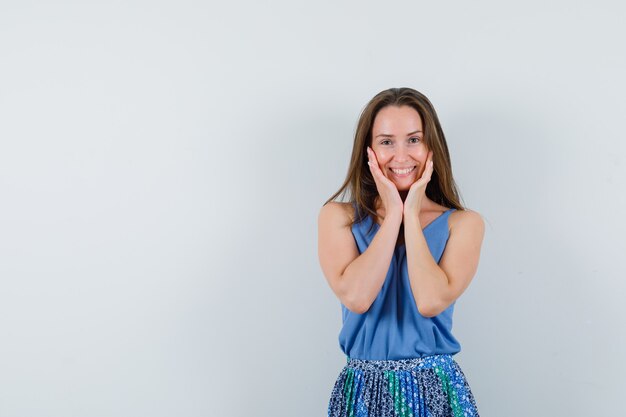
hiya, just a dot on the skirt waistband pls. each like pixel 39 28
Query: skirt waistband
pixel 399 364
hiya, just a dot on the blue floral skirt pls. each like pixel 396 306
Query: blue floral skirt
pixel 430 386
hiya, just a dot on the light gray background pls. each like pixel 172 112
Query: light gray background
pixel 162 165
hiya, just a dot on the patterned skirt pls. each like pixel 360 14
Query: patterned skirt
pixel 431 386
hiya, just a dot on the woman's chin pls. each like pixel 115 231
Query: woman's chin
pixel 403 186
pixel 404 183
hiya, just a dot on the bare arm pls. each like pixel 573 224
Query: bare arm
pixel 356 279
pixel 436 286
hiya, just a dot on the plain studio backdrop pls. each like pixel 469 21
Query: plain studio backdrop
pixel 162 166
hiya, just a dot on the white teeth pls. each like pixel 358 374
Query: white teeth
pixel 402 171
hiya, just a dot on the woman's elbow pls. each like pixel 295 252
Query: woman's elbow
pixel 356 305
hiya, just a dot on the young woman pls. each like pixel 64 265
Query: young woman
pixel 398 255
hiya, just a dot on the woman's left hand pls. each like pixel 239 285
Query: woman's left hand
pixel 415 196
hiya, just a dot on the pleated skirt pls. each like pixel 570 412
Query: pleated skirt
pixel 430 386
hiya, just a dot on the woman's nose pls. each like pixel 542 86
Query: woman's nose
pixel 401 153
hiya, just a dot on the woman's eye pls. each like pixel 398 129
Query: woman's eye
pixel 383 142
pixel 416 139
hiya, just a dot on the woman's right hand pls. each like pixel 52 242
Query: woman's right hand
pixel 387 190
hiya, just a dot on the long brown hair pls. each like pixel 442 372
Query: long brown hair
pixel 359 182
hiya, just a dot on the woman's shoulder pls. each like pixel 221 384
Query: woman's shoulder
pixel 337 212
pixel 466 219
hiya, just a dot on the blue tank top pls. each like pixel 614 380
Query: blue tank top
pixel 393 328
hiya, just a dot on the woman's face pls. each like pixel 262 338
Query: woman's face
pixel 397 141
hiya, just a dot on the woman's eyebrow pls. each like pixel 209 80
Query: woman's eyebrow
pixel 390 136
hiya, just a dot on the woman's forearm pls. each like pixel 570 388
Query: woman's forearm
pixel 428 282
pixel 364 277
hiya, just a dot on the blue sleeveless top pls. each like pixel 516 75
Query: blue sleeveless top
pixel 393 328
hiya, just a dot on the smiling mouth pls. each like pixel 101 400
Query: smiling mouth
pixel 402 172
